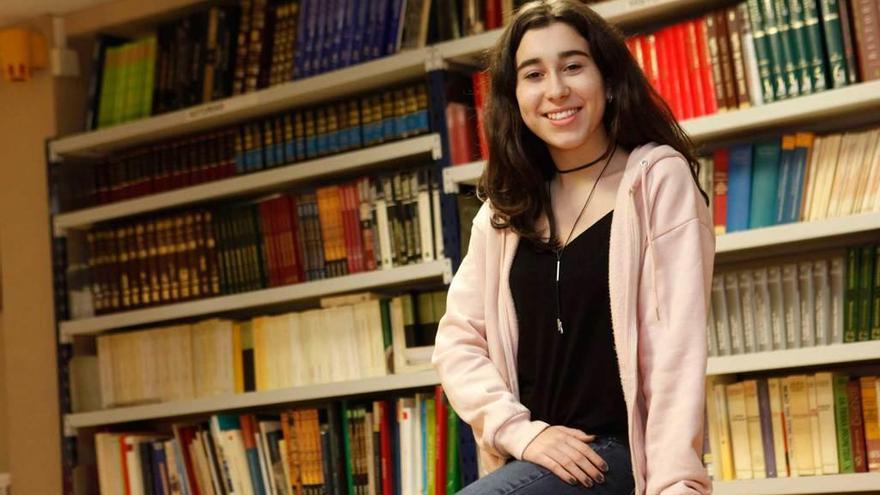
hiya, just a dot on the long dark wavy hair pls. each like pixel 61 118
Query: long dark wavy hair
pixel 519 162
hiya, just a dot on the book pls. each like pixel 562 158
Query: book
pixel 765 179
pixel 739 187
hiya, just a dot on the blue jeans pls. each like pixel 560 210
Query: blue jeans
pixel 525 478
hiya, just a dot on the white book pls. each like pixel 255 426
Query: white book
pixel 777 314
pixel 296 359
pixel 212 462
pixel 213 370
pixel 200 466
pixel 753 76
pixel 836 278
pixel 719 313
pixel 439 248
pixel 822 301
pixel 871 201
pixel 826 423
pixel 866 171
pixel 384 234
pixel 105 370
pixel 177 482
pixel 407 469
pixel 774 386
pixel 746 289
pixel 418 445
pixel 767 340
pixel 842 174
pixel 791 306
pixel 264 428
pixel 426 219
pixel 739 340
pixel 814 424
pixel 131 444
pixel 807 304
pixel 285 462
pixel 858 175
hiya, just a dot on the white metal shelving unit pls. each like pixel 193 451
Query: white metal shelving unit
pixel 267 180
pixel 441 270
pixel 208 405
pixel 836 483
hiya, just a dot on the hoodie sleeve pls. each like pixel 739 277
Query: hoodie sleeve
pixel 676 281
pixel 463 356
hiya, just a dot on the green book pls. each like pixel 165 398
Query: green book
pixel 793 16
pixel 431 426
pixel 108 87
pixel 347 438
pixel 385 309
pixel 875 296
pixel 833 42
pixel 866 286
pixel 765 177
pixel 762 52
pixel 777 57
pixel 815 50
pixel 789 52
pixel 453 472
pixel 777 32
pixel 149 79
pixel 851 296
pixel 120 105
pixel 841 416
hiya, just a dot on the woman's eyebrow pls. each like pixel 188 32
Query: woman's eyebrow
pixel 565 54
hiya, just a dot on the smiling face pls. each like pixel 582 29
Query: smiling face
pixel 561 94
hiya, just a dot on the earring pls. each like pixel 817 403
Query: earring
pixel 609 97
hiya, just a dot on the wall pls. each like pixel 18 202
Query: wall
pixel 28 118
pixel 4 442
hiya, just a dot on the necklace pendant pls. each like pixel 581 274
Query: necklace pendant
pixel 559 325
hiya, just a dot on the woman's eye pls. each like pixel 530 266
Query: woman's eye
pixel 533 75
pixel 572 67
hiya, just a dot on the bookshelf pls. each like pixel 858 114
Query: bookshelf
pixel 253 399
pixel 271 179
pixel 849 103
pixel 408 274
pixel 368 76
pixel 837 483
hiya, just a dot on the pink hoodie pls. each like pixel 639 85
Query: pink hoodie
pixel 660 262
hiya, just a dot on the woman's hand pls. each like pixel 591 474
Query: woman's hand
pixel 564 451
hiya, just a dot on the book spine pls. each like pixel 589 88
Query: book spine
pixel 871 420
pixel 734 31
pixel 857 426
pixel 866 21
pixel 848 38
pixel 842 419
pixel 762 51
pixel 850 297
pixel 831 27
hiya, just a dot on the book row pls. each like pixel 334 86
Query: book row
pixel 806 303
pixel 350 338
pixel 359 225
pixel 793 178
pixel 407 445
pixel 268 142
pixel 759 51
pixel 796 425
pixel 228 50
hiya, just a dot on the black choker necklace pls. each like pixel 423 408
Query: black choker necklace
pixel 603 156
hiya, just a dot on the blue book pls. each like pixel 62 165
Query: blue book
pixel 786 162
pixel 467 454
pixel 300 56
pixel 378 27
pixel 423 425
pixel 361 11
pixel 330 12
pixel 395 18
pixel 319 50
pixel 395 450
pixel 339 19
pixel 766 428
pixel 348 26
pixel 739 187
pixel 312 41
pixel 802 145
pixel 765 176
pixel 159 467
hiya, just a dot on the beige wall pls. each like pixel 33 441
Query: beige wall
pixel 28 117
pixel 4 441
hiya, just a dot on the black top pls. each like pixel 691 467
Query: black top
pixel 569 379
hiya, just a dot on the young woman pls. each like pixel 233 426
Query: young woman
pixel 574 338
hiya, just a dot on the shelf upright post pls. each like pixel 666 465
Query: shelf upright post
pixel 436 69
pixel 64 346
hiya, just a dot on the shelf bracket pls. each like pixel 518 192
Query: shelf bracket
pixel 447 271
pixel 434 60
pixel 69 430
pixel 450 186
pixel 436 147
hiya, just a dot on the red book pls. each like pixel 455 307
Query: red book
pixel 667 73
pixel 706 79
pixel 184 436
pixel 124 448
pixel 634 44
pixel 480 83
pixel 442 440
pixel 692 55
pixel 354 214
pixel 857 426
pixel 719 183
pixel 457 130
pixel 679 50
pixel 493 14
pixel 649 54
pixel 270 247
pixel 386 458
pixel 365 216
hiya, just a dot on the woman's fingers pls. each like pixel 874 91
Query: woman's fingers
pixel 573 473
pixel 587 452
pixel 583 462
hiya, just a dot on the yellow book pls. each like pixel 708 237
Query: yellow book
pixel 753 422
pixel 827 169
pixel 826 422
pixel 796 402
pixel 261 360
pixel 739 431
pixel 236 358
pixel 722 423
pixel 871 418
pixel 814 424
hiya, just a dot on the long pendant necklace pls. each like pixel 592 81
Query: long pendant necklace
pixel 561 249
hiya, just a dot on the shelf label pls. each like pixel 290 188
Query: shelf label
pixel 634 4
pixel 205 111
